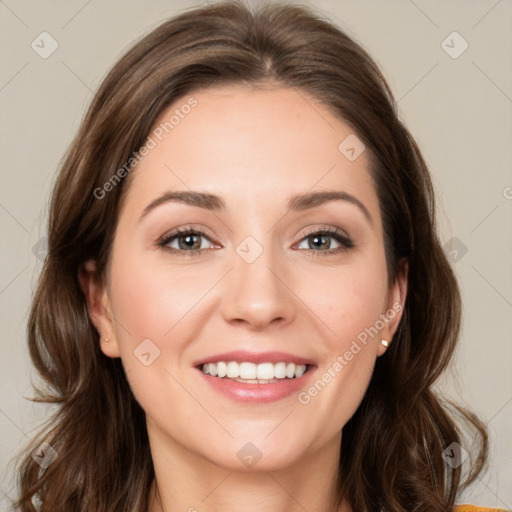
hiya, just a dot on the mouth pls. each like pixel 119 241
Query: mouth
pixel 252 377
pixel 251 373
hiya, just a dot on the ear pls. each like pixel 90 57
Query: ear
pixel 395 305
pixel 99 307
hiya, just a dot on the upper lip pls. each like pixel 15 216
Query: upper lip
pixel 241 356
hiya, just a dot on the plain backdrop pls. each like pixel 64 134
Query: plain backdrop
pixel 456 100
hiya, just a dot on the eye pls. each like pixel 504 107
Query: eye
pixel 189 241
pixel 326 241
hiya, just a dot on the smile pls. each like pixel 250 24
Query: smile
pixel 252 373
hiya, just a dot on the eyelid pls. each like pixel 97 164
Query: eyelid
pixel 325 228
pixel 187 228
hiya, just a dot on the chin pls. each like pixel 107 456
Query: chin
pixel 256 456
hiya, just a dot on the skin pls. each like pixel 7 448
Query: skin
pixel 254 147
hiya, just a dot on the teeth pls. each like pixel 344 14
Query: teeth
pixel 251 372
pixel 222 369
pixel 233 370
pixel 248 371
pixel 300 370
pixel 280 370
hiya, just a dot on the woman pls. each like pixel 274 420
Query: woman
pixel 245 304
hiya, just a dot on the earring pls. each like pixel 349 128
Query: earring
pixel 106 340
pixel 385 343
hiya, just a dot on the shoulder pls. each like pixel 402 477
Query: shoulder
pixel 473 508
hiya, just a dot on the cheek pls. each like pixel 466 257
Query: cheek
pixel 347 304
pixel 347 301
pixel 157 311
pixel 139 302
pixel 146 309
pixel 150 300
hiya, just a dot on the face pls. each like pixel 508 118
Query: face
pixel 248 236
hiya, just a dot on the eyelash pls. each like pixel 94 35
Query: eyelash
pixel 345 241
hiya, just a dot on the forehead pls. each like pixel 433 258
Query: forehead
pixel 252 146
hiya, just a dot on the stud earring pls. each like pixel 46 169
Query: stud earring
pixel 385 343
pixel 106 340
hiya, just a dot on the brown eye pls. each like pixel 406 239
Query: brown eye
pixel 186 242
pixel 190 241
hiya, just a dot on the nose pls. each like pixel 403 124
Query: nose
pixel 257 294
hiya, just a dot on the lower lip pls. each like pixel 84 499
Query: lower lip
pixel 257 393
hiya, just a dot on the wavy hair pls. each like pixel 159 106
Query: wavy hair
pixel 391 454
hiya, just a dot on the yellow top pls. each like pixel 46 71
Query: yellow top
pixel 473 508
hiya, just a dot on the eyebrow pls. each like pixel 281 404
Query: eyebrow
pixel 312 199
pixel 213 202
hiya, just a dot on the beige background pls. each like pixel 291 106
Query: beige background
pixel 459 110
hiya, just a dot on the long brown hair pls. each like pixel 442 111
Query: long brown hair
pixel 391 455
